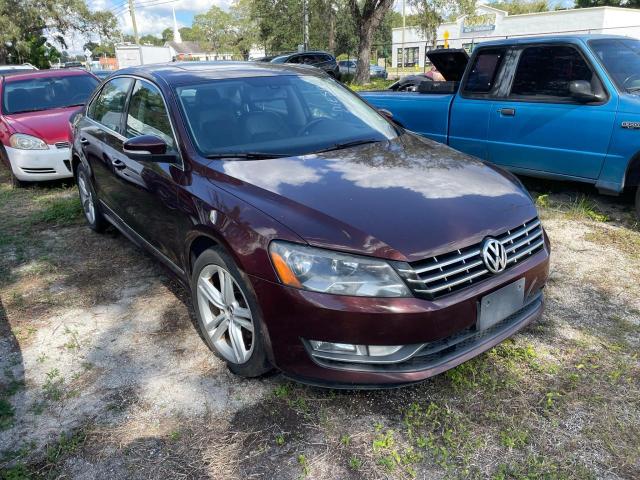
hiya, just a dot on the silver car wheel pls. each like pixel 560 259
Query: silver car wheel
pixel 225 314
pixel 87 200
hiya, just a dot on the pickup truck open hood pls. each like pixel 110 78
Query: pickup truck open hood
pixel 451 63
pixel 407 199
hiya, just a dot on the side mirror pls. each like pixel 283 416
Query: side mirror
pixel 582 92
pixel 147 147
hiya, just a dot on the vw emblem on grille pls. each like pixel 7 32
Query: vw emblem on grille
pixel 494 255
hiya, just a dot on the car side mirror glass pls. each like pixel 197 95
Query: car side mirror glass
pixel 581 91
pixel 147 147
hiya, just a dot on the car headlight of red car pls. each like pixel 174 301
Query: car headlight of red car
pixel 23 141
pixel 337 273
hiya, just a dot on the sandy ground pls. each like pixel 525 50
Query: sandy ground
pixel 106 377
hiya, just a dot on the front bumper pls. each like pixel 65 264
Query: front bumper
pixel 38 165
pixel 292 316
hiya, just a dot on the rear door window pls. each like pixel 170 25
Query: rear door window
pixel 544 73
pixel 108 107
pixel 484 71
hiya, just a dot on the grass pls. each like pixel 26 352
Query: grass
pixel 57 211
pixel 578 208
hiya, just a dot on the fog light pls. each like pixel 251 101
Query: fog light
pixel 330 347
pixel 382 350
pixel 351 349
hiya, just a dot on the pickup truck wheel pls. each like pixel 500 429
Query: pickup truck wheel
pixel 89 201
pixel 228 314
pixel 638 203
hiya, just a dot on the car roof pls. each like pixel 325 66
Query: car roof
pixel 551 39
pixel 28 74
pixel 182 73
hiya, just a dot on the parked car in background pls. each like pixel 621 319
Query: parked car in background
pixel 315 236
pixel 34 121
pixel 4 69
pixel 322 60
pixel 348 67
pixel 264 59
pixel 102 74
pixel 565 107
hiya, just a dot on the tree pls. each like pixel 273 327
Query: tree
pixel 245 30
pixel 518 7
pixel 608 3
pixel 214 27
pixel 367 16
pixel 431 13
pixel 23 24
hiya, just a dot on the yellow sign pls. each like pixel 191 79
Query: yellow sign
pixel 446 38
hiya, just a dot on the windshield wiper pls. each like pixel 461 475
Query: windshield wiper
pixel 248 155
pixel 632 89
pixel 353 143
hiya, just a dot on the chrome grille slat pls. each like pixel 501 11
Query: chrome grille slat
pixel 62 145
pixel 457 282
pixel 519 233
pixel 524 242
pixel 448 262
pixel 452 271
pixel 463 268
pixel 525 252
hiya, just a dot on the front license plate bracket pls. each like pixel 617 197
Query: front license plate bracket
pixel 500 304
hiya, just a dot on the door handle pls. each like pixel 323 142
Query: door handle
pixel 119 164
pixel 507 112
pixel 84 141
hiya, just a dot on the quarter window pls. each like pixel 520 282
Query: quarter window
pixel 483 74
pixel 107 108
pixel 147 114
pixel 545 72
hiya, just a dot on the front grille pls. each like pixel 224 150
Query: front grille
pixel 453 271
pixel 62 145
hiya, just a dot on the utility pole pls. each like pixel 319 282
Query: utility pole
pixel 305 25
pixel 133 22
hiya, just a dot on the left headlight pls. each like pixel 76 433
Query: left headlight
pixel 326 271
pixel 27 142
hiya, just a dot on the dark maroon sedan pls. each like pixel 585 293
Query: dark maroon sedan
pixel 315 235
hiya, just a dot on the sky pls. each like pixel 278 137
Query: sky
pixel 153 16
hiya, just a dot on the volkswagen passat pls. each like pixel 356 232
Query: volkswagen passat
pixel 315 235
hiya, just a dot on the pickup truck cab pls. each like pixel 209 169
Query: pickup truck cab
pixel 563 107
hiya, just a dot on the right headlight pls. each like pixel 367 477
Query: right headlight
pixel 27 142
pixel 327 271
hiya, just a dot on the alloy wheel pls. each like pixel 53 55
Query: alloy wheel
pixel 226 314
pixel 87 200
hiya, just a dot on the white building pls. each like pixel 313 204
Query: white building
pixel 489 23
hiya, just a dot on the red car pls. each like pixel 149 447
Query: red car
pixel 34 121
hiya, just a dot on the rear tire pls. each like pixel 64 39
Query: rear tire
pixel 228 315
pixel 89 201
pixel 638 203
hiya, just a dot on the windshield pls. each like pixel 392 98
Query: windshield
pixel 44 93
pixel 621 58
pixel 281 115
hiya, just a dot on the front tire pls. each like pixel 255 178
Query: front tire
pixel 89 201
pixel 228 314
pixel 638 203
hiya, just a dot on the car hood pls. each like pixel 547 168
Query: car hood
pixel 50 125
pixel 407 199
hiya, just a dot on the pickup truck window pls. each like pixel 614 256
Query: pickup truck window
pixel 483 73
pixel 621 58
pixel 544 73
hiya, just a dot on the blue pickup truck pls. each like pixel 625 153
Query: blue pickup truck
pixel 565 107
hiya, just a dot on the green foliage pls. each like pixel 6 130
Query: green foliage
pixel 608 3
pixel 355 463
pixel 518 7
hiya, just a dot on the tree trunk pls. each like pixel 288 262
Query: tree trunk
pixel 332 28
pixel 364 54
